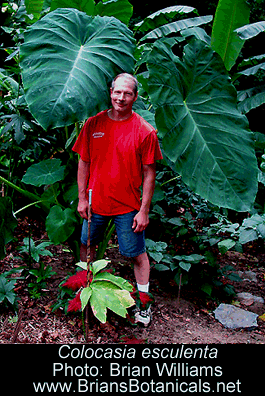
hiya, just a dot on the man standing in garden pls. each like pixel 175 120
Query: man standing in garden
pixel 118 153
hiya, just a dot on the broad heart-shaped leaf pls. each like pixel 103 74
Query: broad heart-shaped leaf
pixel 185 266
pixel 45 172
pixel 60 224
pixel 68 60
pixel 202 131
pixel 229 16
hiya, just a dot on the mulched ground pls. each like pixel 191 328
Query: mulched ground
pixel 189 320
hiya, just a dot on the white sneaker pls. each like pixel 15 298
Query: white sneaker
pixel 143 316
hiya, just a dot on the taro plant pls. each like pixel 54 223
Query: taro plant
pixel 41 275
pixel 102 290
pixel 36 277
pixel 30 249
pixel 70 55
pixel 71 83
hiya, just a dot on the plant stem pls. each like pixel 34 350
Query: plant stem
pixel 18 324
pixel 103 245
pixel 168 181
pixel 83 323
pixel 30 257
pixel 31 196
pixel 77 129
pixel 26 207
pixel 55 197
pixel 178 299
pixel 66 132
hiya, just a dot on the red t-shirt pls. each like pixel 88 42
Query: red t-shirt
pixel 116 151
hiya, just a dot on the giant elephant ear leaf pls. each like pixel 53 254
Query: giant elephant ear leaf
pixel 67 60
pixel 201 129
pixel 46 172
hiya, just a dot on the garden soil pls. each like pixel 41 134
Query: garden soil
pixel 184 318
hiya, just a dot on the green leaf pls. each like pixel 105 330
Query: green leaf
pixel 115 280
pixel 177 26
pixel 98 305
pixel 226 245
pixel 120 9
pixel 229 16
pixel 125 301
pixel 177 221
pixel 86 6
pixel 198 33
pixel 106 295
pixel 252 228
pixel 161 267
pixel 7 224
pixel 161 17
pixel 207 289
pixel 15 123
pixel 195 258
pixel 68 60
pixel 202 131
pixel 85 296
pixel 192 258
pixel 234 277
pixel 155 246
pixel 35 251
pixel 247 235
pixel 157 256
pixel 253 70
pixel 8 83
pixel 45 172
pixel 6 290
pixel 252 103
pixel 99 265
pixel 82 264
pixel 34 7
pixel 185 266
pixel 60 224
pixel 249 31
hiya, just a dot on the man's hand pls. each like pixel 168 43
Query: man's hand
pixel 82 208
pixel 140 221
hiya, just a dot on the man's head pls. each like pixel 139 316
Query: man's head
pixel 123 93
pixel 131 79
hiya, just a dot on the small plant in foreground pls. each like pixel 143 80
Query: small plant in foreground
pixel 32 251
pixel 7 294
pixel 101 289
pixel 7 289
pixel 41 274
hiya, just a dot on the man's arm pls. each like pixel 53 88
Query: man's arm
pixel 141 220
pixel 82 181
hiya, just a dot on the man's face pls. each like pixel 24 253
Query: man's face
pixel 122 95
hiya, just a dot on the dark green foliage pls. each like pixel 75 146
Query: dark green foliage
pixel 186 92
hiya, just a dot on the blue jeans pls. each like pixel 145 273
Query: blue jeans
pixel 131 244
